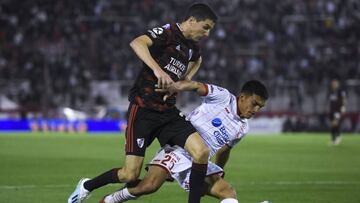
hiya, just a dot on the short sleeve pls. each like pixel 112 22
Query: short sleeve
pixel 216 95
pixel 159 35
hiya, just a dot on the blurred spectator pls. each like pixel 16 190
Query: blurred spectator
pixel 59 47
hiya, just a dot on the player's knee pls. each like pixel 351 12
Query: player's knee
pixel 201 154
pixel 127 176
pixel 131 177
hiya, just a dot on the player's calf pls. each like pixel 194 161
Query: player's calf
pixel 221 189
pixel 125 194
pixel 153 180
pixel 110 176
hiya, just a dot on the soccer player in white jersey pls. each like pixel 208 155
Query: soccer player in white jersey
pixel 222 121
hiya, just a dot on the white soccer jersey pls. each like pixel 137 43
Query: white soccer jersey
pixel 218 123
pixel 217 120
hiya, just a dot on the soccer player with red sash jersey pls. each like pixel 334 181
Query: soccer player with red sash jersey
pixel 169 53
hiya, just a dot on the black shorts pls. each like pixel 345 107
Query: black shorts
pixel 144 125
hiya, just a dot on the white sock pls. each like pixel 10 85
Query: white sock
pixel 229 200
pixel 119 196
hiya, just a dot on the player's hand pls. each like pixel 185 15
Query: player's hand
pixel 170 90
pixel 164 79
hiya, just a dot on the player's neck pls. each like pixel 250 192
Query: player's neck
pixel 184 29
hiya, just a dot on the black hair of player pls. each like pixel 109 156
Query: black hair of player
pixel 255 87
pixel 201 11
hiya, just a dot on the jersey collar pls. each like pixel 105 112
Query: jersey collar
pixel 179 30
pixel 182 34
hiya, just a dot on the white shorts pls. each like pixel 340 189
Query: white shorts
pixel 177 162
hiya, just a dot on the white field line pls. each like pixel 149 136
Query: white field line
pixel 15 187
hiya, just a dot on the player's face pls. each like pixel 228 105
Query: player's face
pixel 250 105
pixel 200 29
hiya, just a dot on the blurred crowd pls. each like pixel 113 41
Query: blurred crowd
pixel 53 50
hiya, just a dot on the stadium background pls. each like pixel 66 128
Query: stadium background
pixel 66 66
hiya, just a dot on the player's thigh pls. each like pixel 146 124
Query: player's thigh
pixel 175 130
pixel 219 188
pixel 181 132
pixel 197 148
pixel 142 124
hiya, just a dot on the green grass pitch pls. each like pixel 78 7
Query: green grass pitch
pixel 291 168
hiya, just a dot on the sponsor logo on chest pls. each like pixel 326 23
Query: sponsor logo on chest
pixel 175 66
pixel 221 135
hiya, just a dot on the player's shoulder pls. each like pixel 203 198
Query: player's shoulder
pixel 215 88
pixel 217 95
pixel 167 26
pixel 160 30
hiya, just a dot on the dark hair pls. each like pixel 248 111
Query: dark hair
pixel 201 11
pixel 255 87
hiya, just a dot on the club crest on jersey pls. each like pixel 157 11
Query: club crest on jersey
pixel 140 142
pixel 216 122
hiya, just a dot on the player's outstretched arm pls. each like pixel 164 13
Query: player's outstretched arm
pixel 184 85
pixel 188 85
pixel 141 45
